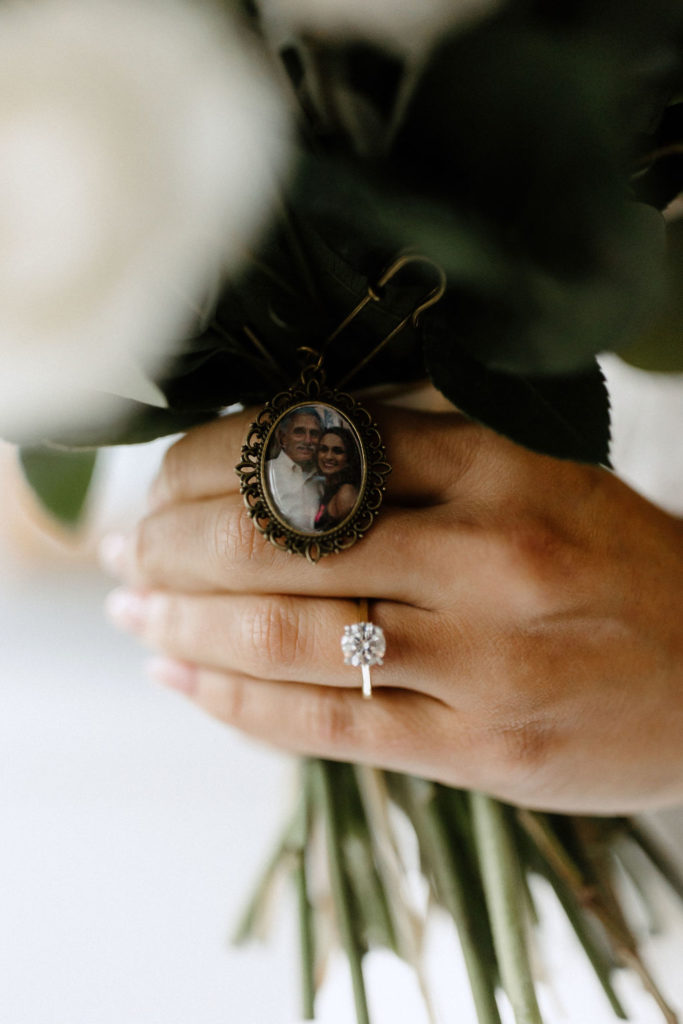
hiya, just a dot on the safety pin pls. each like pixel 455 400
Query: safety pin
pixel 373 295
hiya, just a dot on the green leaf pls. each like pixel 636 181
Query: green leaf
pixel 521 132
pixel 660 348
pixel 60 480
pixel 558 324
pixel 564 416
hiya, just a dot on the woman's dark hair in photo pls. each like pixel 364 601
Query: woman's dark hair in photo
pixel 350 474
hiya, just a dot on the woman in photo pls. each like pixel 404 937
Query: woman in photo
pixel 338 466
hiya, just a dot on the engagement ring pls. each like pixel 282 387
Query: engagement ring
pixel 364 645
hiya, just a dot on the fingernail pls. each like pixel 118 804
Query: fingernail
pixel 127 608
pixel 111 552
pixel 177 675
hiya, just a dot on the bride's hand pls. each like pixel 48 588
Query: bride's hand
pixel 532 610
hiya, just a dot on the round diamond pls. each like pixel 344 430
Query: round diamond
pixel 363 644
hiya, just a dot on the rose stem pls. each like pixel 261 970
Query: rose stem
pixel 501 869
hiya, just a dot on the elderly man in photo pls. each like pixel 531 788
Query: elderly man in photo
pixel 293 477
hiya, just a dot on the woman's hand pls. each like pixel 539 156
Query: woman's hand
pixel 532 610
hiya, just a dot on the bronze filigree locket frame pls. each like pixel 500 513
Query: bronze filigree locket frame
pixel 269 515
pixel 282 494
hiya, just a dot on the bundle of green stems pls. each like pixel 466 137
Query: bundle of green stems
pixel 345 848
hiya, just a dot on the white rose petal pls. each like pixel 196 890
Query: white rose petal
pixel 139 143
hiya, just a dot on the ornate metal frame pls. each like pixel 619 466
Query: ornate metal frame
pixel 311 389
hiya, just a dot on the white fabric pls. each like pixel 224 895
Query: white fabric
pixel 295 490
pixel 647 431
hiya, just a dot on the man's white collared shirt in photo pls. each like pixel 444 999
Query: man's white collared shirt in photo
pixel 295 490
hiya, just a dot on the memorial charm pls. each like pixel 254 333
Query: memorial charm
pixel 313 468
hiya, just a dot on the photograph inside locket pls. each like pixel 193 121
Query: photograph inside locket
pixel 313 468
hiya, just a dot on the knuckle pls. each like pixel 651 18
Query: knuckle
pixel 535 564
pixel 537 542
pixel 171 625
pixel 456 445
pixel 519 750
pixel 234 540
pixel 329 720
pixel 519 662
pixel 472 441
pixel 393 533
pixel 485 467
pixel 271 630
pixel 428 548
pixel 163 619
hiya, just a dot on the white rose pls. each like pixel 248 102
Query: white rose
pixel 404 25
pixel 138 146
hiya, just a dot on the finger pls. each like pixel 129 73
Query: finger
pixel 282 638
pixel 428 453
pixel 394 729
pixel 213 545
pixel 202 463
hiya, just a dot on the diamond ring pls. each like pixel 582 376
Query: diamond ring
pixel 363 645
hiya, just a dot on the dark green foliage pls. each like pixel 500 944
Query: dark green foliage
pixel 60 480
pixel 570 413
pixel 661 177
pixel 529 155
pixel 660 347
pixel 513 168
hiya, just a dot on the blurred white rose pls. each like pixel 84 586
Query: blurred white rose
pixel 407 25
pixel 138 146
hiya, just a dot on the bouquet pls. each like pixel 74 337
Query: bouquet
pixel 488 190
